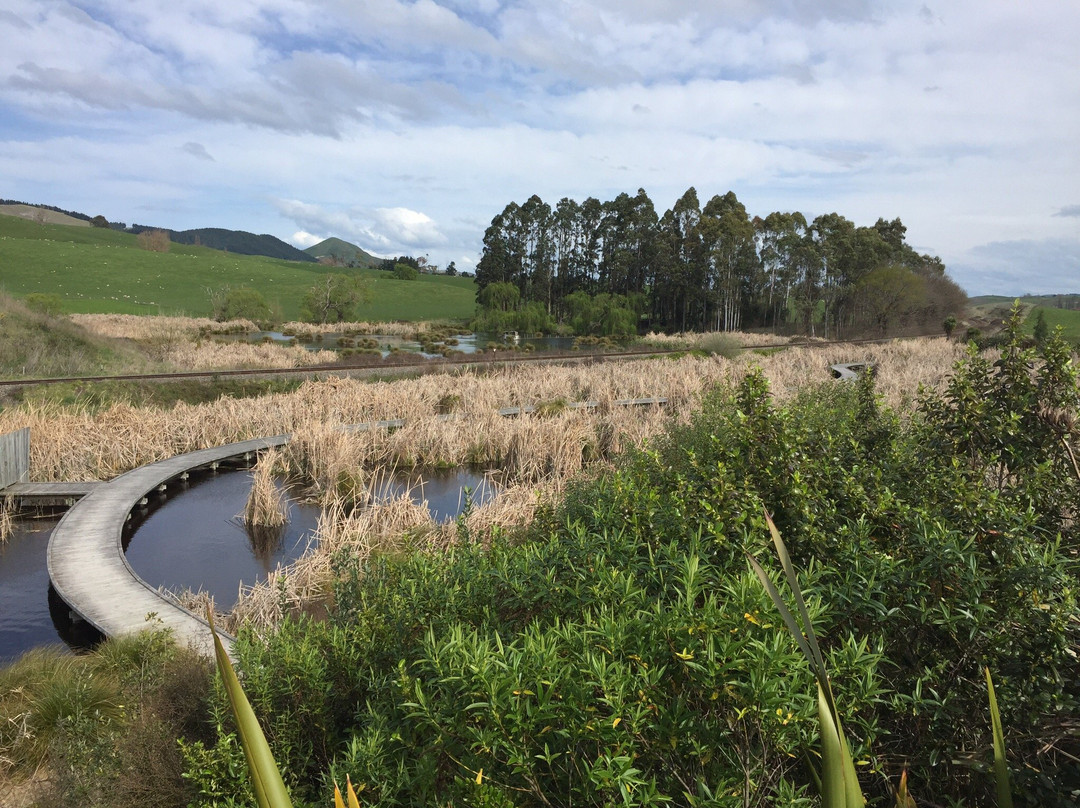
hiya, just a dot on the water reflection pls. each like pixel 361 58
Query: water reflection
pixel 31 613
pixel 193 539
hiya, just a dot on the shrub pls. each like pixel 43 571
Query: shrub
pixel 620 651
pixel 154 240
pixel 46 303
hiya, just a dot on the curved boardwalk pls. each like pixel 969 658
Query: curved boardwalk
pixel 86 556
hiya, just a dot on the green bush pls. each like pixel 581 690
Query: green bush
pixel 620 651
pixel 45 303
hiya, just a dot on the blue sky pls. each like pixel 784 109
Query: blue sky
pixel 406 126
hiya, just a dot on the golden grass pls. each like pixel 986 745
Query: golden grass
pixel 266 507
pixel 692 340
pixel 71 442
pixel 144 327
pixel 309 330
pixel 186 355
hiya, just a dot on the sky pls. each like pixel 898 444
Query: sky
pixel 405 126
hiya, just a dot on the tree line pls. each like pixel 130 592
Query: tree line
pixel 711 268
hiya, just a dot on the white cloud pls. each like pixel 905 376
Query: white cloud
pixel 405 126
pixel 302 239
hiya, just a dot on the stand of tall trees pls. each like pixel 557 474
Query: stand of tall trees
pixel 715 268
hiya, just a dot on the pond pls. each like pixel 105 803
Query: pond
pixel 31 614
pixel 188 538
pixel 193 539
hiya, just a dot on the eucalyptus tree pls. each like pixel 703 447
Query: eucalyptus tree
pixel 679 266
pixel 779 238
pixel 732 268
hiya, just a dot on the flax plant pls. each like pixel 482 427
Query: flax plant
pixel 267 783
pixel 838 782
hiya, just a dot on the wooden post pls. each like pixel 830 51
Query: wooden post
pixel 15 457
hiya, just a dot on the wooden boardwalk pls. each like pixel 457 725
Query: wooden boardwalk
pixel 86 559
pixel 49 494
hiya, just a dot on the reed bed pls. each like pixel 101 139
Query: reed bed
pixel 146 327
pixel 73 442
pixel 305 586
pixel 309 330
pixel 266 507
pixel 387 526
pixel 691 340
pixel 209 355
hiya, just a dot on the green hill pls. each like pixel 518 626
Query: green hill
pixel 234 241
pixel 343 252
pixel 102 270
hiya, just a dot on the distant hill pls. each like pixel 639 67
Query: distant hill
pixel 344 252
pixel 234 241
pixel 45 214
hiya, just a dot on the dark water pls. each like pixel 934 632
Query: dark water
pixel 194 540
pixel 31 614
pixel 189 538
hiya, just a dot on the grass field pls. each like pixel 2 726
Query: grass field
pixel 1069 320
pixel 99 270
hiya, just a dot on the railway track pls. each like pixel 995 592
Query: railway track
pixel 425 366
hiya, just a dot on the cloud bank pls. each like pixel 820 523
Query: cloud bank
pixel 406 125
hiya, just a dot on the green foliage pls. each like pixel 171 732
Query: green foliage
pixel 105 725
pixel 528 318
pixel 45 303
pixel 404 272
pixel 604 315
pixel 1040 330
pixel 620 652
pixel 334 298
pixel 239 303
pixel 499 296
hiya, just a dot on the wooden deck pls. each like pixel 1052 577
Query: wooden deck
pixel 86 558
pixel 49 494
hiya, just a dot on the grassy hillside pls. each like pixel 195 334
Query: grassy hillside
pixel 1069 320
pixel 100 270
pixel 344 251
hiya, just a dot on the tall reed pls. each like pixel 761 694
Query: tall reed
pixel 266 506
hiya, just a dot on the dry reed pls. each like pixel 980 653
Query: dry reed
pixel 144 327
pixel 7 521
pixel 227 355
pixel 266 507
pixel 71 442
pixel 304 586
pixel 691 340
pixel 309 330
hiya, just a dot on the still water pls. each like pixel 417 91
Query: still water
pixel 31 614
pixel 194 539
pixel 188 538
